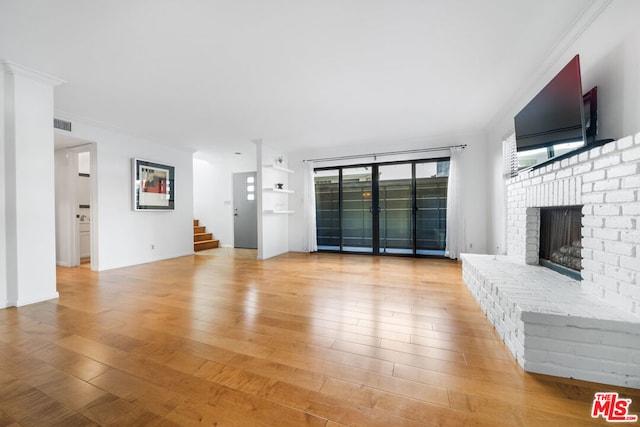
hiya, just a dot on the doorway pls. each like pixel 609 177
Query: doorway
pixel 83 199
pixel 245 210
pixel 394 208
pixel 75 200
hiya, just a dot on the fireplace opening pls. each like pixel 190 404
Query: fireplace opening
pixel 561 239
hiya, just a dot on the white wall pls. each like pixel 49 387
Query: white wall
pixel 474 178
pixel 124 236
pixel 213 189
pixel 610 58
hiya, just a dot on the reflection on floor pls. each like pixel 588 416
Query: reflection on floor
pixel 230 252
pixel 383 251
pixel 297 340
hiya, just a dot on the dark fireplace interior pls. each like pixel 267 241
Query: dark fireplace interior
pixel 560 239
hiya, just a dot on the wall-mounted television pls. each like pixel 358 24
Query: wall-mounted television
pixel 558 120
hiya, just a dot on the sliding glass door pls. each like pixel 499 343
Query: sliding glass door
pixel 356 212
pixel 394 208
pixel 327 185
pixel 431 207
pixel 396 225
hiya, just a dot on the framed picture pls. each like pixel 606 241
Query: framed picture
pixel 153 186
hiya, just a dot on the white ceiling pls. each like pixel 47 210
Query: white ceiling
pixel 296 73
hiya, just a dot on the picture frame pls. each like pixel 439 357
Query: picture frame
pixel 153 186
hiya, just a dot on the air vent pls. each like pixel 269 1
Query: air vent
pixel 61 124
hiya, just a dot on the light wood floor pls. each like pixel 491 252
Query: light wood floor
pixel 322 340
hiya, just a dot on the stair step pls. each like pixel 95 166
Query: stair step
pixel 199 237
pixel 205 244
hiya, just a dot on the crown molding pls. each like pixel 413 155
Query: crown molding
pixel 588 16
pixel 77 118
pixel 580 25
pixel 15 69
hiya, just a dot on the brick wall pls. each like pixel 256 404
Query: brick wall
pixel 606 182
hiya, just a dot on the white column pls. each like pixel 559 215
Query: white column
pixel 27 205
pixel 3 206
pixel 259 204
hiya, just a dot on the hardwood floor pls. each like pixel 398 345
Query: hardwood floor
pixel 320 340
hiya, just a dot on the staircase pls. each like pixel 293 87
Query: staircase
pixel 201 239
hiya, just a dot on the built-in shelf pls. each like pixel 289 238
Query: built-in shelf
pixel 272 189
pixel 271 211
pixel 278 190
pixel 279 168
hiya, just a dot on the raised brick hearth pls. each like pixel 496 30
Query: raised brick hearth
pixel 552 325
pixel 587 329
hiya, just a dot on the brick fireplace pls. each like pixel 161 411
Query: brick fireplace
pixel 589 328
pixel 605 181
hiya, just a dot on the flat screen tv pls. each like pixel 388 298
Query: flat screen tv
pixel 557 120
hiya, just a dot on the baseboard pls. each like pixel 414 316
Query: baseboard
pixel 178 255
pixel 23 302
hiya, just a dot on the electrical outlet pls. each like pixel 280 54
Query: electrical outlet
pixel 153 246
pixel 470 245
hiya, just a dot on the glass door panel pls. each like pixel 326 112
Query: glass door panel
pixel 327 184
pixel 431 207
pixel 396 209
pixel 357 210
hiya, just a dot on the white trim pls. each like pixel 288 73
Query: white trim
pixel 83 120
pixel 590 13
pixel 20 70
pixel 22 302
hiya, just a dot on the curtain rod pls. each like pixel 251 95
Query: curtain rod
pixel 388 153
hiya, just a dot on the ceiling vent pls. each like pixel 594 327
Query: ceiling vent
pixel 61 124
